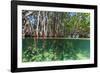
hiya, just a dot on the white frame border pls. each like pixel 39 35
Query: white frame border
pixel 52 63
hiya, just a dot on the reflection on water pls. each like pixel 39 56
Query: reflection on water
pixel 55 49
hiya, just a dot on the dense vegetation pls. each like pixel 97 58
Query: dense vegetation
pixel 56 49
pixel 50 36
pixel 56 24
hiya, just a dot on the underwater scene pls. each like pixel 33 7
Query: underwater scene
pixel 55 50
pixel 55 36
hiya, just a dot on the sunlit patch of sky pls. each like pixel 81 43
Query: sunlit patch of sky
pixel 31 19
pixel 72 13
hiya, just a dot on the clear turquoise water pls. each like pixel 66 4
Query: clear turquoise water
pixel 56 49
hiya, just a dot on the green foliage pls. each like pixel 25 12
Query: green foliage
pixel 49 24
pixel 56 24
pixel 55 50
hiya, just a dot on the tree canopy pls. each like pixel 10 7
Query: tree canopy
pixel 56 24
